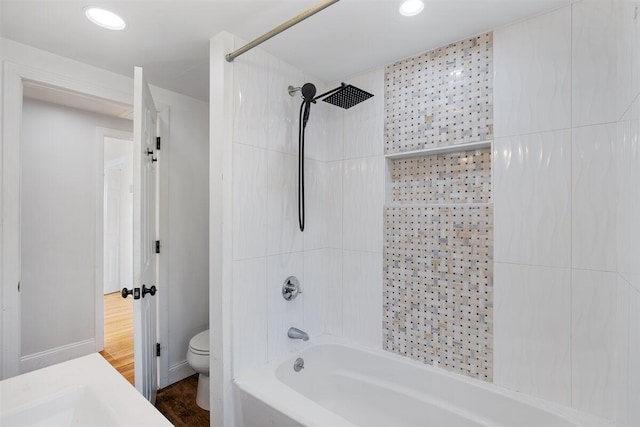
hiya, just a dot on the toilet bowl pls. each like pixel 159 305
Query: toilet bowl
pixel 198 359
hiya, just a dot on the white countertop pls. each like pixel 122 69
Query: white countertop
pixel 80 392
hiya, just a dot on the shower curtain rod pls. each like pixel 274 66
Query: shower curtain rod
pixel 280 28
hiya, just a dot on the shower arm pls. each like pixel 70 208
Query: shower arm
pixel 292 90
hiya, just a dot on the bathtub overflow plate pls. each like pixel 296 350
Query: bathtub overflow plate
pixel 298 365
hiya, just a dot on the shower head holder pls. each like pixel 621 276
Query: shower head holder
pixel 292 90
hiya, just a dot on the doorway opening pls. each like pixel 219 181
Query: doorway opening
pixel 62 167
pixel 52 288
pixel 118 254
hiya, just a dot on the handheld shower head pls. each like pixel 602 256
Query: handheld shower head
pixel 308 91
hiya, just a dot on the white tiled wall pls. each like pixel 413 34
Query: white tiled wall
pixel 343 210
pixel 532 81
pixel 249 314
pixel 569 199
pixel 362 297
pixel 593 197
pixel 282 215
pixel 593 341
pixel 627 386
pixel 532 330
pixel 593 62
pixel 532 181
pixel 282 314
pixel 628 267
pixel 364 124
pixel 251 105
pixel 362 213
pixel 633 386
pixel 363 196
pixel 621 361
pixel 267 244
pixel 249 179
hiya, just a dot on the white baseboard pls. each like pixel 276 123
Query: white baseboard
pixel 179 371
pixel 52 356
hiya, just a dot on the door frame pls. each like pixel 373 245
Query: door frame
pixel 101 133
pixel 14 76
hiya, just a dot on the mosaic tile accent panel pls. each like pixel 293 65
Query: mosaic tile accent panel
pixel 460 177
pixel 442 97
pixel 438 290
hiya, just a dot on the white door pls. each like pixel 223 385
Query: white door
pixel 145 130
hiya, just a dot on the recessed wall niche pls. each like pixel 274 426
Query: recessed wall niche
pixel 438 254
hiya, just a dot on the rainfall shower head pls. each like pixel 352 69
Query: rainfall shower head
pixel 347 96
pixel 344 96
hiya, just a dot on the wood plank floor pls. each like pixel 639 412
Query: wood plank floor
pixel 118 334
pixel 177 402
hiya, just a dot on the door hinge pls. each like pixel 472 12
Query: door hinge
pixel 157 142
pixel 157 349
pixel 157 246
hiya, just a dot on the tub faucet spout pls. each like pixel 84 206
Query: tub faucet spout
pixel 297 334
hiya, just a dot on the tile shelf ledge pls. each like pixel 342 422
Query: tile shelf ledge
pixel 440 150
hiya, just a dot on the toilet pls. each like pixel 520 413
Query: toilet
pixel 198 359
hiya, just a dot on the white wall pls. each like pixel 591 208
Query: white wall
pixel 565 192
pixel 118 155
pixel 360 164
pixel 267 245
pixel 58 231
pixel 184 195
pixel 185 242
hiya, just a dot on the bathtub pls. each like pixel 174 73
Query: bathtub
pixel 343 385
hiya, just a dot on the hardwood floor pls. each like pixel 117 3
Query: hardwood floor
pixel 177 402
pixel 118 334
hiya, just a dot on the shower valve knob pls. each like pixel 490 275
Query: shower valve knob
pixel 291 288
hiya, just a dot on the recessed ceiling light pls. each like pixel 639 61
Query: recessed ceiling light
pixel 411 7
pixel 104 18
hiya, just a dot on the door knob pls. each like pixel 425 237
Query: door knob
pixel 126 292
pixel 151 290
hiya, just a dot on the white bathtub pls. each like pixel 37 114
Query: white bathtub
pixel 344 385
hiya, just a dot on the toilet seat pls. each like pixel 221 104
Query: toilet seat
pixel 199 344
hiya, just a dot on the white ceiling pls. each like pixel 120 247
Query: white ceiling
pixel 170 38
